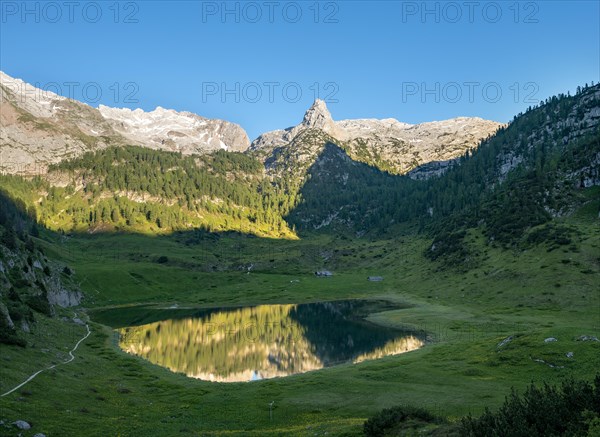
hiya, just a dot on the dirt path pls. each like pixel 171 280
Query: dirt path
pixel 72 357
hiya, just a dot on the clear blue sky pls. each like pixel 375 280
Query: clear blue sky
pixel 377 58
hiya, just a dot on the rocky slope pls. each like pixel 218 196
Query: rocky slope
pixel 31 284
pixel 167 129
pixel 559 127
pixel 530 171
pixel 388 144
pixel 41 128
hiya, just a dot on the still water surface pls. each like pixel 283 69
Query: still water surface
pixel 266 341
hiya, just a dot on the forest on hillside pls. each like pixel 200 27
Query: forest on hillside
pixel 549 149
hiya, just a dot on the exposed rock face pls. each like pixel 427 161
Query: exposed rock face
pixel 388 144
pixel 6 316
pixel 46 287
pixel 39 128
pixel 582 119
pixel 400 147
pixel 317 118
pixel 59 295
pixel 167 129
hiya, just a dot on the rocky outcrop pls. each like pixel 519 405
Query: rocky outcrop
pixel 316 120
pixel 387 144
pixel 31 286
pixel 39 128
pixel 61 296
pixel 21 424
pixel 580 119
pixel 5 319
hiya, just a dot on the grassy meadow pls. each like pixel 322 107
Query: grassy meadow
pixel 529 294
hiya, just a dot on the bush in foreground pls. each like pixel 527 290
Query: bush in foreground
pixel 391 421
pixel 569 410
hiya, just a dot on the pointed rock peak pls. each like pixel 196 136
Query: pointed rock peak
pixel 317 115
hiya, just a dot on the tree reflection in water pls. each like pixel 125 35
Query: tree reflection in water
pixel 266 341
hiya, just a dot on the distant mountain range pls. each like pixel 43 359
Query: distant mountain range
pixel 40 128
pixel 111 169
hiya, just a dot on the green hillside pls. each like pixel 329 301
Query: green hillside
pixel 142 190
pixel 486 262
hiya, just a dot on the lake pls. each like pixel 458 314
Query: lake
pixel 259 342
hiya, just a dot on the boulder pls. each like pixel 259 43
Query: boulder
pixel 21 424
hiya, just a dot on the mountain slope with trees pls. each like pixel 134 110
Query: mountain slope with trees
pixel 138 189
pixel 536 168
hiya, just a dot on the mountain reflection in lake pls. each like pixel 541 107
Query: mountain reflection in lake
pixel 266 341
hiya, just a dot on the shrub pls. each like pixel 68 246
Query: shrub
pixel 545 411
pixel 555 235
pixel 15 277
pixel 40 304
pixel 34 231
pixel 41 286
pixel 391 418
pixel 19 311
pixel 9 335
pixel 9 239
pixel 13 295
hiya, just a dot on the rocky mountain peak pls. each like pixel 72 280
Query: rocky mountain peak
pixel 38 128
pixel 318 116
pixel 388 144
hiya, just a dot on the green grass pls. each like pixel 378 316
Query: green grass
pixel 531 295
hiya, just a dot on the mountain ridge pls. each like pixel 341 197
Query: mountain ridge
pixel 40 128
pixel 388 144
